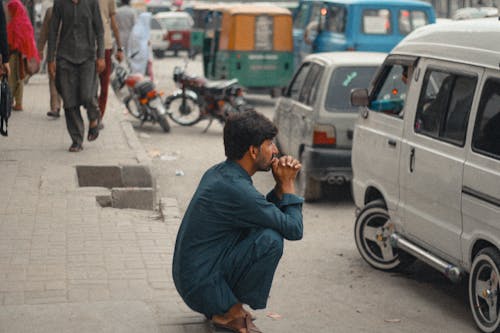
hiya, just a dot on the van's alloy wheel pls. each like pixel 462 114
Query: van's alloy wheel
pixel 372 232
pixel 484 288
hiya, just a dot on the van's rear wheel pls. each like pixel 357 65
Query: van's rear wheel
pixel 484 288
pixel 372 232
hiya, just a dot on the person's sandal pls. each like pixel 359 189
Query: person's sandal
pixel 54 114
pixel 75 148
pixel 93 131
pixel 237 324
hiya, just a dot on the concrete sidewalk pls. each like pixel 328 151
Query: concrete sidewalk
pixel 66 263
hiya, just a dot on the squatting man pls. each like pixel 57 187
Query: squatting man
pixel 231 237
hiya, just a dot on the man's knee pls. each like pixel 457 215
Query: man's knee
pixel 270 241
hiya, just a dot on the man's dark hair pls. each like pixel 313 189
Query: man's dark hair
pixel 125 2
pixel 245 129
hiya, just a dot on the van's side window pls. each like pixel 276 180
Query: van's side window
pixel 444 106
pixel 390 95
pixel 486 137
pixel 298 81
pixel 377 21
pixel 410 20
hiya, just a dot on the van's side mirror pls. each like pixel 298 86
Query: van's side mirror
pixel 359 97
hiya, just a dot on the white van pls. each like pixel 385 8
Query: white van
pixel 426 159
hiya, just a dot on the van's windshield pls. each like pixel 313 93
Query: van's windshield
pixel 335 19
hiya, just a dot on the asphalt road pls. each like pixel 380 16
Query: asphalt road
pixel 322 284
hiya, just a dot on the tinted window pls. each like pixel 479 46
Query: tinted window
pixel 342 81
pixel 298 81
pixel 390 95
pixel 376 21
pixel 410 20
pixel 487 130
pixel 444 106
pixel 310 88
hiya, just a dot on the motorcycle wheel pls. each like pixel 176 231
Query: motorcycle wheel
pixel 162 120
pixel 133 107
pixel 184 114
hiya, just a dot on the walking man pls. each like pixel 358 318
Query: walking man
pixel 77 67
pixel 108 11
pixel 231 237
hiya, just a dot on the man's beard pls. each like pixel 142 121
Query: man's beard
pixel 265 165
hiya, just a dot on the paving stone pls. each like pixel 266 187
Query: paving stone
pixel 67 264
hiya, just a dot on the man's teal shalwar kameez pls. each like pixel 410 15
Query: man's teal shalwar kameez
pixel 231 240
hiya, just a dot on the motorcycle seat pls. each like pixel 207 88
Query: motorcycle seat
pixel 220 84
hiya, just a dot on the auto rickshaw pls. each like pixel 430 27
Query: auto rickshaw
pixel 252 43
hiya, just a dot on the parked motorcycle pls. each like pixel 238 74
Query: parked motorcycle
pixel 198 99
pixel 140 96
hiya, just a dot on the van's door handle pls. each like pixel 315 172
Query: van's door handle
pixel 412 159
pixel 392 142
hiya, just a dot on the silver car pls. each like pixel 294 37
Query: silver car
pixel 316 120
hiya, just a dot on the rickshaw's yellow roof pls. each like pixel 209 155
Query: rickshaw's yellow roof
pixel 256 9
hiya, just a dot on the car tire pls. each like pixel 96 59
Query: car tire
pixel 372 232
pixel 133 106
pixel 159 53
pixel 307 187
pixel 484 289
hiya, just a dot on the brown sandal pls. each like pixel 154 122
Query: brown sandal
pixel 236 325
pixel 75 148
pixel 93 132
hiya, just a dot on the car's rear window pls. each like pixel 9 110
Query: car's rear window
pixel 175 23
pixel 342 81
pixel 155 25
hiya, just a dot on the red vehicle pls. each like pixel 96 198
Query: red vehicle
pixel 178 25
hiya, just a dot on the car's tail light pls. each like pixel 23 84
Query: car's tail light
pixel 324 135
